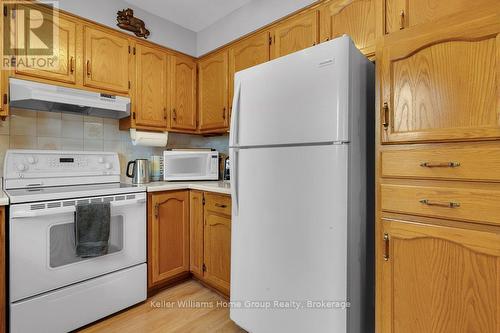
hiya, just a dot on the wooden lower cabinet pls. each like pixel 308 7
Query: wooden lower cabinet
pixel 438 278
pixel 217 242
pixel 189 232
pixel 210 239
pixel 168 236
pixel 196 233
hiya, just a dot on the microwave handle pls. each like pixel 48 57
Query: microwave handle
pixel 70 209
pixel 234 152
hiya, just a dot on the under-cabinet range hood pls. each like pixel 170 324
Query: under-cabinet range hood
pixel 46 97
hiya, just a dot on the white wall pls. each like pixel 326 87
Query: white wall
pixel 163 32
pixel 244 20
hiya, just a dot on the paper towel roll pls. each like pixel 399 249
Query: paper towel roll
pixel 151 139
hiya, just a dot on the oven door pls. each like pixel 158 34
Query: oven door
pixel 42 243
pixel 191 166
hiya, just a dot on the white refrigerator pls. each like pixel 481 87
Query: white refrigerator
pixel 298 181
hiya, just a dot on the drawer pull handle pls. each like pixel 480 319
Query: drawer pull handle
pixel 440 165
pixel 220 205
pixel 440 204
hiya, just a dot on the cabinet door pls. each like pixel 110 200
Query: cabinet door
pixel 217 244
pixel 106 59
pixel 183 91
pixel 213 93
pixel 245 54
pixel 438 279
pixel 196 233
pixel 295 34
pixel 151 87
pixel 442 84
pixel 355 18
pixel 64 68
pixel 401 14
pixel 168 236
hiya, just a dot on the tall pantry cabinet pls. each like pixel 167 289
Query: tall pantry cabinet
pixel 438 126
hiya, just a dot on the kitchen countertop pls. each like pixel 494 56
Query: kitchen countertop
pixel 4 199
pixel 222 187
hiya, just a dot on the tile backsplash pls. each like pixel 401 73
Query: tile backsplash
pixel 25 129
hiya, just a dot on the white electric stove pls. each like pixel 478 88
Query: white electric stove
pixel 51 289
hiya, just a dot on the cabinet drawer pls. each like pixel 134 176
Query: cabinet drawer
pixel 458 203
pixel 463 162
pixel 218 203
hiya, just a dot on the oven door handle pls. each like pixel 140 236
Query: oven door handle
pixel 70 209
pixel 42 212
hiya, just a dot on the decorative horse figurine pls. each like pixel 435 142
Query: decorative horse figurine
pixel 127 21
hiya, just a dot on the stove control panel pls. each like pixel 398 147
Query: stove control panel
pixel 40 164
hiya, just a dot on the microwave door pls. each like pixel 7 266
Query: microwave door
pixel 191 167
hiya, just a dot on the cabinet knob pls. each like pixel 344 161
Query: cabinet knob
pixel 224 113
pixel 174 115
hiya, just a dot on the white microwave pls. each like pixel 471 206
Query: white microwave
pixel 190 165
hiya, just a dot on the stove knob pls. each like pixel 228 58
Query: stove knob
pixel 31 160
pixel 108 166
pixel 101 159
pixel 21 167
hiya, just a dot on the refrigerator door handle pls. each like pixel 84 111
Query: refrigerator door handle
pixel 233 157
pixel 235 115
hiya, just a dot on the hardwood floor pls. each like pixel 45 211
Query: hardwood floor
pixel 188 307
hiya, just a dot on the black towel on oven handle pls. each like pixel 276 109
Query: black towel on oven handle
pixel 92 227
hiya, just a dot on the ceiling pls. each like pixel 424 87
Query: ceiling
pixel 194 15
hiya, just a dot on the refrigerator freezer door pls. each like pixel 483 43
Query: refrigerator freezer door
pixel 289 238
pixel 304 95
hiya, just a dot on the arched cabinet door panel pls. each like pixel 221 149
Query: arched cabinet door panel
pixel 442 84
pixel 437 278
pixel 168 236
pixel 106 58
pixel 183 115
pixel 355 18
pixel 151 87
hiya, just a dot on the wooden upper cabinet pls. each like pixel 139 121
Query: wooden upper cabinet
pixel 438 279
pixel 183 115
pixel 213 92
pixel 295 34
pixel 64 68
pixel 106 59
pixel 245 54
pixel 196 233
pixel 168 236
pixel 401 14
pixel 355 18
pixel 151 87
pixel 442 83
pixel 217 243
